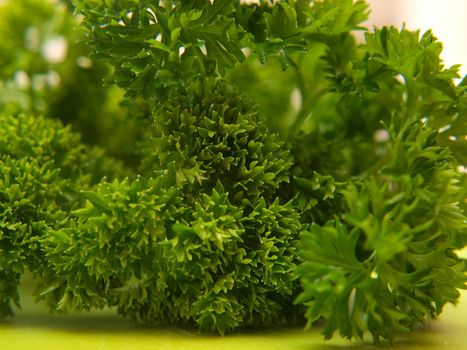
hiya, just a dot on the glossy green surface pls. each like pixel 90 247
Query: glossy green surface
pixel 35 328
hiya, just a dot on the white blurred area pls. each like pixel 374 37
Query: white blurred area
pixel 447 19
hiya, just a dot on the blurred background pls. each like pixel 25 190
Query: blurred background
pixel 445 18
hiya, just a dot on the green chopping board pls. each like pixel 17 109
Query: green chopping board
pixel 34 328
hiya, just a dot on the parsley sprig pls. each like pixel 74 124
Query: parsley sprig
pixel 222 205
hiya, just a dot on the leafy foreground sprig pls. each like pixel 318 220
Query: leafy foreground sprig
pixel 390 262
pixel 165 249
pixel 352 211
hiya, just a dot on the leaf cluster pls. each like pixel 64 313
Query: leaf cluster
pixel 158 46
pixel 273 167
pixel 42 165
pixel 390 261
pixel 166 249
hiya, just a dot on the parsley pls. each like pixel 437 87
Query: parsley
pixel 199 195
